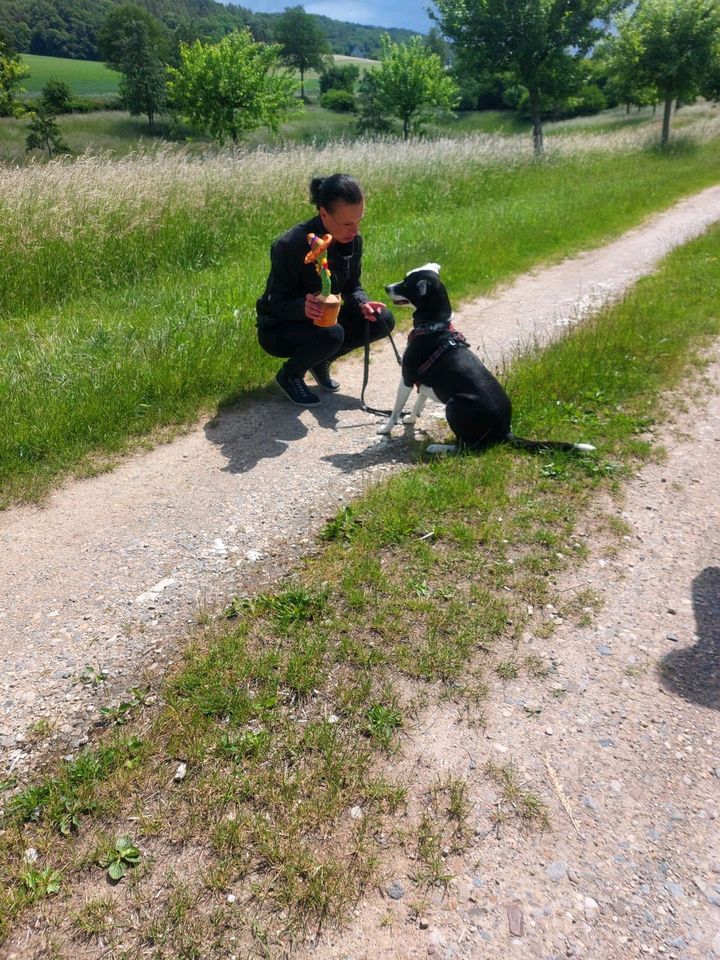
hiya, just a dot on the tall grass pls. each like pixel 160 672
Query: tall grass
pixel 127 287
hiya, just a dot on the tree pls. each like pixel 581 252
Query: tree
pixel 411 84
pixel 435 42
pixel 303 43
pixel 11 73
pixel 373 118
pixel 669 46
pixel 144 83
pixel 137 45
pixel 338 77
pixel 56 96
pixel 121 26
pixel 537 40
pixel 711 86
pixel 44 134
pixel 232 87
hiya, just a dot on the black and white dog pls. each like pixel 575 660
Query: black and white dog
pixel 438 361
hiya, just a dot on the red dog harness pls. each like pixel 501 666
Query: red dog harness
pixel 457 340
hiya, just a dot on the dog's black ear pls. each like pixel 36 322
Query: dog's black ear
pixel 421 287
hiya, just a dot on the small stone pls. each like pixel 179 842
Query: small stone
pixel 591 908
pixel 30 855
pixel 231 898
pixel 515 918
pixel 619 906
pixel 707 892
pixel 356 812
pixel 557 870
pixel 604 650
pixel 395 891
pixel 674 889
pixel 423 923
pixel 672 638
pixel 180 773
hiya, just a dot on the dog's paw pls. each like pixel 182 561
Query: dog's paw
pixel 386 429
pixel 409 419
pixel 435 449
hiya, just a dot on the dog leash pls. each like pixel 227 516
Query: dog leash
pixel 366 367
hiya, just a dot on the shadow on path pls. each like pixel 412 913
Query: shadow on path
pixel 693 673
pixel 263 428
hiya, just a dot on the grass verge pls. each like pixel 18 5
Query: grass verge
pixel 131 308
pixel 252 804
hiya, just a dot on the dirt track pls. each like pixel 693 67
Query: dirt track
pixel 110 572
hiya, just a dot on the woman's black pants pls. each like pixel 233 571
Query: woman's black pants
pixel 305 345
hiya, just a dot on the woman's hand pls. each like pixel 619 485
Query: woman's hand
pixel 313 307
pixel 371 309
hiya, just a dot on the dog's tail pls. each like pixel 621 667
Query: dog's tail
pixel 525 444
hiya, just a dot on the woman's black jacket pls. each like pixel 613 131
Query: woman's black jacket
pixel 291 279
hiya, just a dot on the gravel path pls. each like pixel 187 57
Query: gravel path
pixel 110 572
pixel 626 730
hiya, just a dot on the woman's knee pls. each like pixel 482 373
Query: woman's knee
pixel 270 343
pixel 333 337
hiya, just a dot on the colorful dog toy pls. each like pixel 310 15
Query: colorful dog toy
pixel 318 255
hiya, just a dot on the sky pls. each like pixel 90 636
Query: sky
pixel 410 14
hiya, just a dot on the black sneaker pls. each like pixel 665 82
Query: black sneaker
pixel 321 375
pixel 296 390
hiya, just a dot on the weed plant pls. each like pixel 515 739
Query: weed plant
pixel 287 710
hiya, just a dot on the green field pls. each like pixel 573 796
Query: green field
pixel 84 77
pixel 128 285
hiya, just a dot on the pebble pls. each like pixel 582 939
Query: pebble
pixel 591 908
pixel 557 870
pixel 395 890
pixel 604 650
pixel 180 773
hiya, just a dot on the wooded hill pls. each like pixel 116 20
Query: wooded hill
pixel 69 28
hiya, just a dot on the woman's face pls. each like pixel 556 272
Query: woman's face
pixel 344 220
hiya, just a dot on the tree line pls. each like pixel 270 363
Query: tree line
pixel 71 28
pixel 533 54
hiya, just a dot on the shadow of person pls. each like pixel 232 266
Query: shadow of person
pixel 264 426
pixel 398 449
pixel 694 672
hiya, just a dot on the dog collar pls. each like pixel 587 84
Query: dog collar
pixel 422 328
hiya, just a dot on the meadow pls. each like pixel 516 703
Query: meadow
pixel 85 78
pixel 116 131
pixel 128 285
